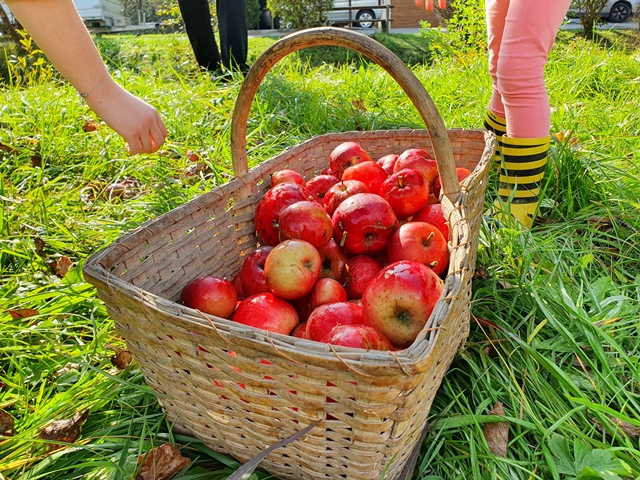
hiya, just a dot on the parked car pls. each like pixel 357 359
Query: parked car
pixel 366 12
pixel 618 11
pixel 615 11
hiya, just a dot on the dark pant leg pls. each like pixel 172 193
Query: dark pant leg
pixel 197 22
pixel 232 25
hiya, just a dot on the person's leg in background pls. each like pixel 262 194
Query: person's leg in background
pixel 197 22
pixel 517 69
pixel 494 121
pixel 232 25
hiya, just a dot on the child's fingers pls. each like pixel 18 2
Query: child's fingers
pixel 442 4
pixel 418 3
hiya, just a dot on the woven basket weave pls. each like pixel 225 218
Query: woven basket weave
pixel 241 389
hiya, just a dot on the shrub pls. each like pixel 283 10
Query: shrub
pixel 466 27
pixel 589 12
pixel 301 13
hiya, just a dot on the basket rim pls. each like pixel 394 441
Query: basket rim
pixel 409 361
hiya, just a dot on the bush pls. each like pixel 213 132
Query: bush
pixel 590 12
pixel 301 13
pixel 253 14
pixel 466 27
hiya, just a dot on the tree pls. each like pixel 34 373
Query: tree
pixel 9 27
pixel 301 13
pixel 590 12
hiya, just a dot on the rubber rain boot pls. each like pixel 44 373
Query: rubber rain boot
pixel 524 162
pixel 497 125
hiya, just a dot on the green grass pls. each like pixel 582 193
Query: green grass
pixel 555 311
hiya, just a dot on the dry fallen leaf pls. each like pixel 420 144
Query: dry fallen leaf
pixel 90 125
pixel 122 358
pixel 23 312
pixel 481 273
pixel 124 189
pixel 62 265
pixel 195 168
pixel 359 105
pixel 161 463
pixel 192 156
pixel 67 431
pixel 6 424
pixel 497 434
pixel 36 160
pixel 7 148
pixel 627 428
pixel 40 247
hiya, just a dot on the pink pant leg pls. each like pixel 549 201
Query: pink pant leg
pixel 520 35
pixel 496 13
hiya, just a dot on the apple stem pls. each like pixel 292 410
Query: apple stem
pixel 428 239
pixel 343 239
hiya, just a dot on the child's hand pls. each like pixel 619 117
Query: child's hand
pixel 135 120
pixel 428 4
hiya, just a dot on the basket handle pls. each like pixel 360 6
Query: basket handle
pixel 341 37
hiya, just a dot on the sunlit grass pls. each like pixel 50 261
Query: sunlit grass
pixel 555 312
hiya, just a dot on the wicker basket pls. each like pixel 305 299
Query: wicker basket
pixel 241 389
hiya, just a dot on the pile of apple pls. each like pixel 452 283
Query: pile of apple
pixel 353 256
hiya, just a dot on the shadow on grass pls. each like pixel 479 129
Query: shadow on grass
pixel 412 49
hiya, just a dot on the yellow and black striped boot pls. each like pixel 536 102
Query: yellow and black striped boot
pixel 524 161
pixel 497 125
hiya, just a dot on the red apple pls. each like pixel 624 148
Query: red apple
pixel 407 192
pixel 341 191
pixel 420 242
pixel 271 204
pixel 363 224
pixel 420 160
pixel 325 317
pixel 252 271
pixel 286 175
pixel 334 261
pixel 267 311
pixel 460 171
pixel 432 214
pixel 387 162
pixel 319 184
pixel 327 290
pixel 300 331
pixel 328 171
pixel 399 301
pixel 361 269
pixel 369 173
pixel 212 295
pixel 237 284
pixel 292 268
pixel 432 199
pixel 345 155
pixel 358 336
pixel 302 306
pixel 306 220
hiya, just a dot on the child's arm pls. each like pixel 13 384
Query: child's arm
pixel 59 31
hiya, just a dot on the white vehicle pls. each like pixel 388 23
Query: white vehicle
pixel 366 12
pixel 101 13
pixel 619 11
pixel 615 11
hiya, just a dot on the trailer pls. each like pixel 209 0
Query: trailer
pixel 101 13
pixel 105 16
